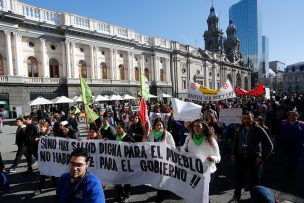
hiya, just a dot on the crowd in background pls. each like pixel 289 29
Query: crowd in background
pixel 280 119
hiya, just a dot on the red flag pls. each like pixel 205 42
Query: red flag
pixel 143 111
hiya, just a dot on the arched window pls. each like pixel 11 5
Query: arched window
pixel 229 78
pixel 32 66
pixel 1 66
pixel 122 72
pixel 162 75
pixel 54 68
pixel 83 69
pixel 246 83
pixel 136 74
pixel 147 73
pixel 104 72
pixel 238 79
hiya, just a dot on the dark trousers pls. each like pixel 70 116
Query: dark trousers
pixel 42 181
pixel 1 163
pixel 246 166
pixel 161 195
pixel 123 190
pixel 32 150
pixel 22 150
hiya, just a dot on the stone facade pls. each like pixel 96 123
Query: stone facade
pixel 293 78
pixel 43 53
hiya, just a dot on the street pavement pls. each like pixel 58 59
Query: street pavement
pixel 221 190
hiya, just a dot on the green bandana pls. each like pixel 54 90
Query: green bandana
pixel 157 135
pixel 198 140
pixel 105 127
pixel 120 137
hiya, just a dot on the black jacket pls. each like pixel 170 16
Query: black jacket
pixel 258 143
pixel 137 132
pixel 108 133
pixel 31 133
pixel 20 136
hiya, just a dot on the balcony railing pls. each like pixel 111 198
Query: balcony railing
pixel 69 19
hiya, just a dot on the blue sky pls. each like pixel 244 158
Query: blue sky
pixel 185 20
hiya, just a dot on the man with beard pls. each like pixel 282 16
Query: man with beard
pixel 250 147
pixel 79 185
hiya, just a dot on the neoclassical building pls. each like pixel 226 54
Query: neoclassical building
pixel 293 78
pixel 43 53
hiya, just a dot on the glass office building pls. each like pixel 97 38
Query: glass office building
pixel 247 16
pixel 265 56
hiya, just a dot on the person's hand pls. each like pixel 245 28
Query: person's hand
pixel 210 159
pixel 258 161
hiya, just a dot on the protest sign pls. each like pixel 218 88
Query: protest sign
pixel 156 164
pixel 200 93
pixel 230 115
pixel 185 111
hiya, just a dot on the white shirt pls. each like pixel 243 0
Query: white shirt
pixel 204 149
pixel 168 138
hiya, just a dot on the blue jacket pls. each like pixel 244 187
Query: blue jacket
pixel 90 192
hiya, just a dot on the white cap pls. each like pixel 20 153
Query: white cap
pixel 64 123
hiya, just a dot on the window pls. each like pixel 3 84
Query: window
pixel 102 52
pixel 104 72
pixel 293 68
pixel 32 65
pixel 162 75
pixel 31 44
pixel 53 47
pixel 184 70
pixel 184 84
pixel 302 68
pixel 81 49
pixel 121 55
pixel 54 68
pixel 147 73
pixel 122 72
pixel 83 69
pixel 1 66
pixel 136 74
pixel 197 72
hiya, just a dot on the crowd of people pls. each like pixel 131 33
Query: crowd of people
pixel 268 127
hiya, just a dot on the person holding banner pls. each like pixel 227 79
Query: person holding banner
pixel 136 129
pixel 106 130
pixel 44 131
pixel 121 136
pixel 160 134
pixel 202 141
pixel 78 185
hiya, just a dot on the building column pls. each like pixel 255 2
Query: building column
pixel 111 64
pixel 97 66
pixel 68 59
pixel 168 71
pixel 64 63
pixel 18 52
pixel 233 78
pixel 92 61
pixel 74 70
pixel 156 68
pixel 214 77
pixel 45 72
pixel 142 68
pixel 9 56
pixel 242 79
pixel 114 65
pixel 131 73
pixel 206 75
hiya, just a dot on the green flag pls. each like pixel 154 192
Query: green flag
pixel 91 116
pixel 86 92
pixel 144 88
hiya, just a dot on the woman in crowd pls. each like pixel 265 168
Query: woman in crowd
pixel 260 121
pixel 44 131
pixel 214 124
pixel 122 136
pixel 160 134
pixel 202 141
pixel 94 134
pixel 136 129
pixel 68 131
pixel 20 139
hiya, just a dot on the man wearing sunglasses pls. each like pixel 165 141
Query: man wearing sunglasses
pixel 79 185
